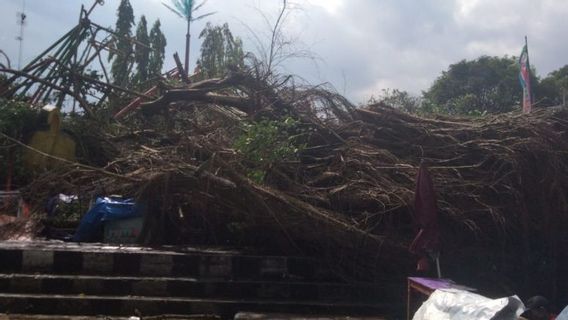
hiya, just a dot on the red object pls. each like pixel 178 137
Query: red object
pixel 426 215
pixel 25 210
pixel 525 78
pixel 137 102
pixel 10 170
pixel 423 264
pixel 134 104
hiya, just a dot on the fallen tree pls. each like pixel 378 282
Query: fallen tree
pixel 344 189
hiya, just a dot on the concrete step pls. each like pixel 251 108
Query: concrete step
pixel 56 278
pixel 88 305
pixel 100 259
pixel 196 288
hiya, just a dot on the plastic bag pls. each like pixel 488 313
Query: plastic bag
pixel 105 209
pixel 453 304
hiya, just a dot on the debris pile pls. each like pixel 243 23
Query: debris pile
pixel 345 191
pixel 19 229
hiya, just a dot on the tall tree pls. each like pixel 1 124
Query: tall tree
pixel 185 10
pixel 554 88
pixel 486 84
pixel 142 51
pixel 122 56
pixel 158 50
pixel 219 51
pixel 398 99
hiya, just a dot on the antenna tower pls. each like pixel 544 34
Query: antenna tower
pixel 22 22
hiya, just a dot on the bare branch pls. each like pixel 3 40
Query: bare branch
pixel 275 34
pixel 7 60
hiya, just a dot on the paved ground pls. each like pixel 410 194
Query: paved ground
pixel 240 316
pixel 56 317
pixel 276 316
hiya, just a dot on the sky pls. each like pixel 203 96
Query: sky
pixel 360 47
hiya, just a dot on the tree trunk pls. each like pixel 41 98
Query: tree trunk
pixel 187 38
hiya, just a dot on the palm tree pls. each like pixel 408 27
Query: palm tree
pixel 185 9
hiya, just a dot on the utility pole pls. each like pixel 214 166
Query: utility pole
pixel 187 42
pixel 185 9
pixel 21 21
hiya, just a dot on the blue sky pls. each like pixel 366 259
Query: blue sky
pixel 362 46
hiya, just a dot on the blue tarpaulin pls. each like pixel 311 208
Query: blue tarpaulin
pixel 105 209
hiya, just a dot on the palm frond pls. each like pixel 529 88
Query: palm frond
pixel 185 7
pixel 174 11
pixel 203 16
pixel 199 5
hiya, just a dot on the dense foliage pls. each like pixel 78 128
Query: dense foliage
pixel 142 52
pixel 122 58
pixel 146 50
pixel 486 84
pixel 267 141
pixel 157 54
pixel 220 51
pixel 398 99
pixel 18 120
pixel 480 86
pixel 554 88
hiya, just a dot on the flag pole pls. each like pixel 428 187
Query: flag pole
pixel 529 73
pixel 435 255
pixel 525 78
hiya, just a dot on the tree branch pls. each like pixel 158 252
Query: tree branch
pixel 77 97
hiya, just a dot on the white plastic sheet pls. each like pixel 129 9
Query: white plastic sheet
pixel 453 304
pixel 563 315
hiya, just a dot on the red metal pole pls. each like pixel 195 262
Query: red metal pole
pixel 10 169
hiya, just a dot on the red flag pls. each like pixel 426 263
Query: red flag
pixel 525 78
pixel 426 215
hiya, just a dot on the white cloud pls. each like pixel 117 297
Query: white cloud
pixel 331 6
pixel 364 45
pixel 492 48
